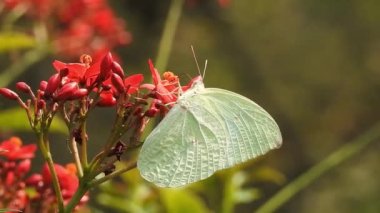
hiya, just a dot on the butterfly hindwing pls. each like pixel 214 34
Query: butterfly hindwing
pixel 203 133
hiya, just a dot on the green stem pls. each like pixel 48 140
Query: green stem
pixel 333 160
pixel 81 191
pixel 42 143
pixel 168 34
pixel 16 69
pixel 84 145
pixel 75 153
pixel 97 182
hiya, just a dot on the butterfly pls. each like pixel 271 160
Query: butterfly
pixel 207 129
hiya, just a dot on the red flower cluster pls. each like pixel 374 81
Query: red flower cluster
pixel 74 90
pixel 105 77
pixel 15 161
pixel 77 25
pixel 102 83
pixel 42 183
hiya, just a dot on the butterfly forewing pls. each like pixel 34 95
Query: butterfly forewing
pixel 207 131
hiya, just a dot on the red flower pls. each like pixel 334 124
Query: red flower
pixel 77 25
pixel 129 85
pixel 162 92
pixel 79 72
pixel 68 181
pixel 132 83
pixel 168 89
pixel 13 149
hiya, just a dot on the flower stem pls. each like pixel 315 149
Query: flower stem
pixel 42 141
pixel 333 160
pixel 81 191
pixel 97 182
pixel 168 34
pixel 75 153
pixel 84 145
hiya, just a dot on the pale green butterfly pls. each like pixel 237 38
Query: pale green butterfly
pixel 207 130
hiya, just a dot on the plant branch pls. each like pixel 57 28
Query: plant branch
pixel 75 153
pixel 81 191
pixel 342 154
pixel 97 182
pixel 84 145
pixel 49 160
pixel 168 34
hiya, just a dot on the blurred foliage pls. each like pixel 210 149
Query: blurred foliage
pixel 314 65
pixel 16 120
pixel 220 193
pixel 13 41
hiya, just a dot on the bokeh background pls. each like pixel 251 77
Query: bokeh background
pixel 313 65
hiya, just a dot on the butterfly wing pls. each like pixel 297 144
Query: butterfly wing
pixel 206 132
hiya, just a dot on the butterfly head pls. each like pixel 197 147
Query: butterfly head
pixel 197 83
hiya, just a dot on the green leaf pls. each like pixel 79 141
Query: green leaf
pixel 268 174
pixel 10 210
pixel 182 200
pixel 16 120
pixel 14 40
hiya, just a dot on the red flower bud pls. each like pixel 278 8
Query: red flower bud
pixel 117 81
pixel 23 87
pixel 10 178
pixel 23 167
pixel 106 87
pixel 67 91
pixel 79 93
pixel 43 85
pixel 137 111
pixel 106 100
pixel 41 104
pixel 153 109
pixel 116 68
pixel 53 84
pixel 7 93
pixel 152 112
pixel 35 180
pixel 105 67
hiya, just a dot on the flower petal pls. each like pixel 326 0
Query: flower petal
pixel 133 82
pixel 155 75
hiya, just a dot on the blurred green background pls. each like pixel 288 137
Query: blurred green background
pixel 313 65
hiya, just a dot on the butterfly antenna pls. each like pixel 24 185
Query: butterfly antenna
pixel 204 70
pixel 196 61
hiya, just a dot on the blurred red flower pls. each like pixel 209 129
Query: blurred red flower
pixel 13 149
pixel 15 162
pixel 77 25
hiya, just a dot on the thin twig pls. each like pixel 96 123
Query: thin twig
pixel 114 174
pixel 75 153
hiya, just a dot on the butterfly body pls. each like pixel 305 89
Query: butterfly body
pixel 207 130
